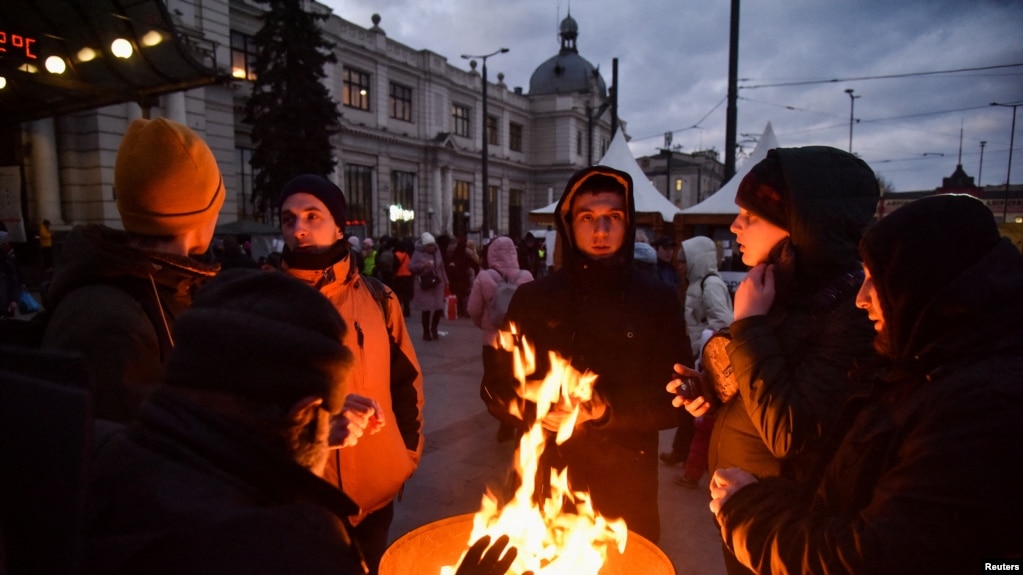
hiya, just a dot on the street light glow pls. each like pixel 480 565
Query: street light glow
pixel 55 65
pixel 121 48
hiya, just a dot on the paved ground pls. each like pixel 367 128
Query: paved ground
pixel 462 456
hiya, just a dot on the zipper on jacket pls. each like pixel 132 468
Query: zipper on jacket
pixel 358 334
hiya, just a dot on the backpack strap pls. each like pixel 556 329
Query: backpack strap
pixel 704 280
pixel 379 292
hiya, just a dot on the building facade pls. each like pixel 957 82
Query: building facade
pixel 685 179
pixel 409 150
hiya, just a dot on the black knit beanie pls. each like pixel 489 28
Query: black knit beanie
pixel 324 190
pixel 264 336
pixel 919 249
pixel 763 191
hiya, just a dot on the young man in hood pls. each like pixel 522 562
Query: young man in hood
pixel 626 327
pixel 385 368
pixel 926 477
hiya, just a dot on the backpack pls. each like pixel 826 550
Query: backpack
pixel 497 308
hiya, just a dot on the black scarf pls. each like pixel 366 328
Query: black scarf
pixel 315 261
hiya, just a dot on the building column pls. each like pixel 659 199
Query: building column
pixel 45 172
pixel 432 206
pixel 174 105
pixel 132 112
pixel 446 201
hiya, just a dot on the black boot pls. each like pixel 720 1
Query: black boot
pixel 435 323
pixel 427 332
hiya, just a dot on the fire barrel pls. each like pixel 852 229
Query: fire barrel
pixel 428 548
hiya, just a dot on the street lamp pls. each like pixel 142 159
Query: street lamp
pixel 1012 140
pixel 485 228
pixel 980 171
pixel 852 104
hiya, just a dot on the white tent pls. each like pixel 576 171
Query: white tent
pixel 722 202
pixel 646 197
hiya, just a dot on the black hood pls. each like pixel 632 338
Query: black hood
pixel 571 256
pixel 830 198
pixel 946 280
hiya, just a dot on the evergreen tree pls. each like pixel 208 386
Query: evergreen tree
pixel 291 112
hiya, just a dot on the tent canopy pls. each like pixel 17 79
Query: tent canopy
pixel 647 198
pixel 722 202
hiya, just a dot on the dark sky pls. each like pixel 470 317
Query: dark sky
pixel 673 70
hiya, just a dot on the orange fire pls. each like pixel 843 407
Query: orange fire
pixel 549 540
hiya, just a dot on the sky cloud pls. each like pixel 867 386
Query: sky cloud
pixel 673 70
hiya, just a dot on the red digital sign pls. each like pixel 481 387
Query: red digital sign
pixel 18 45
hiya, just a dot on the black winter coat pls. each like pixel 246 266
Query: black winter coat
pixel 183 491
pixel 116 304
pixel 792 365
pixel 927 478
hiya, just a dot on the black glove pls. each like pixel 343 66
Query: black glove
pixel 476 562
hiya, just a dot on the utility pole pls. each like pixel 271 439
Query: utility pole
pixel 852 105
pixel 485 227
pixel 731 112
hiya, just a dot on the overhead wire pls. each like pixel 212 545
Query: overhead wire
pixel 879 77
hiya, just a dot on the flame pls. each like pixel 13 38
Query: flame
pixel 550 540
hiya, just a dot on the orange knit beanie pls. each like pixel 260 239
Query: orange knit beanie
pixel 166 179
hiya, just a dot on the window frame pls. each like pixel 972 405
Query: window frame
pixel 515 135
pixel 461 120
pixel 493 130
pixel 355 89
pixel 243 46
pixel 400 102
pixel 359 195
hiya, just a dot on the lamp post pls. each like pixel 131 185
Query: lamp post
pixel 852 105
pixel 485 227
pixel 980 171
pixel 1008 172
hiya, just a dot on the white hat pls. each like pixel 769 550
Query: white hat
pixel 427 239
pixel 354 242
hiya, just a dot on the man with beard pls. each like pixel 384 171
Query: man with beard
pixel 385 369
pixel 926 478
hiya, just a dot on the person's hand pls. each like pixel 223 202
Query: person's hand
pixel 590 410
pixel 359 416
pixel 492 562
pixel 755 293
pixel 696 407
pixel 724 483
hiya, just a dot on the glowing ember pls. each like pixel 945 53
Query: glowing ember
pixel 550 540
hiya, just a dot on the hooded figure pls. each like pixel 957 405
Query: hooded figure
pixel 926 480
pixel 791 363
pixel 708 301
pixel 604 316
